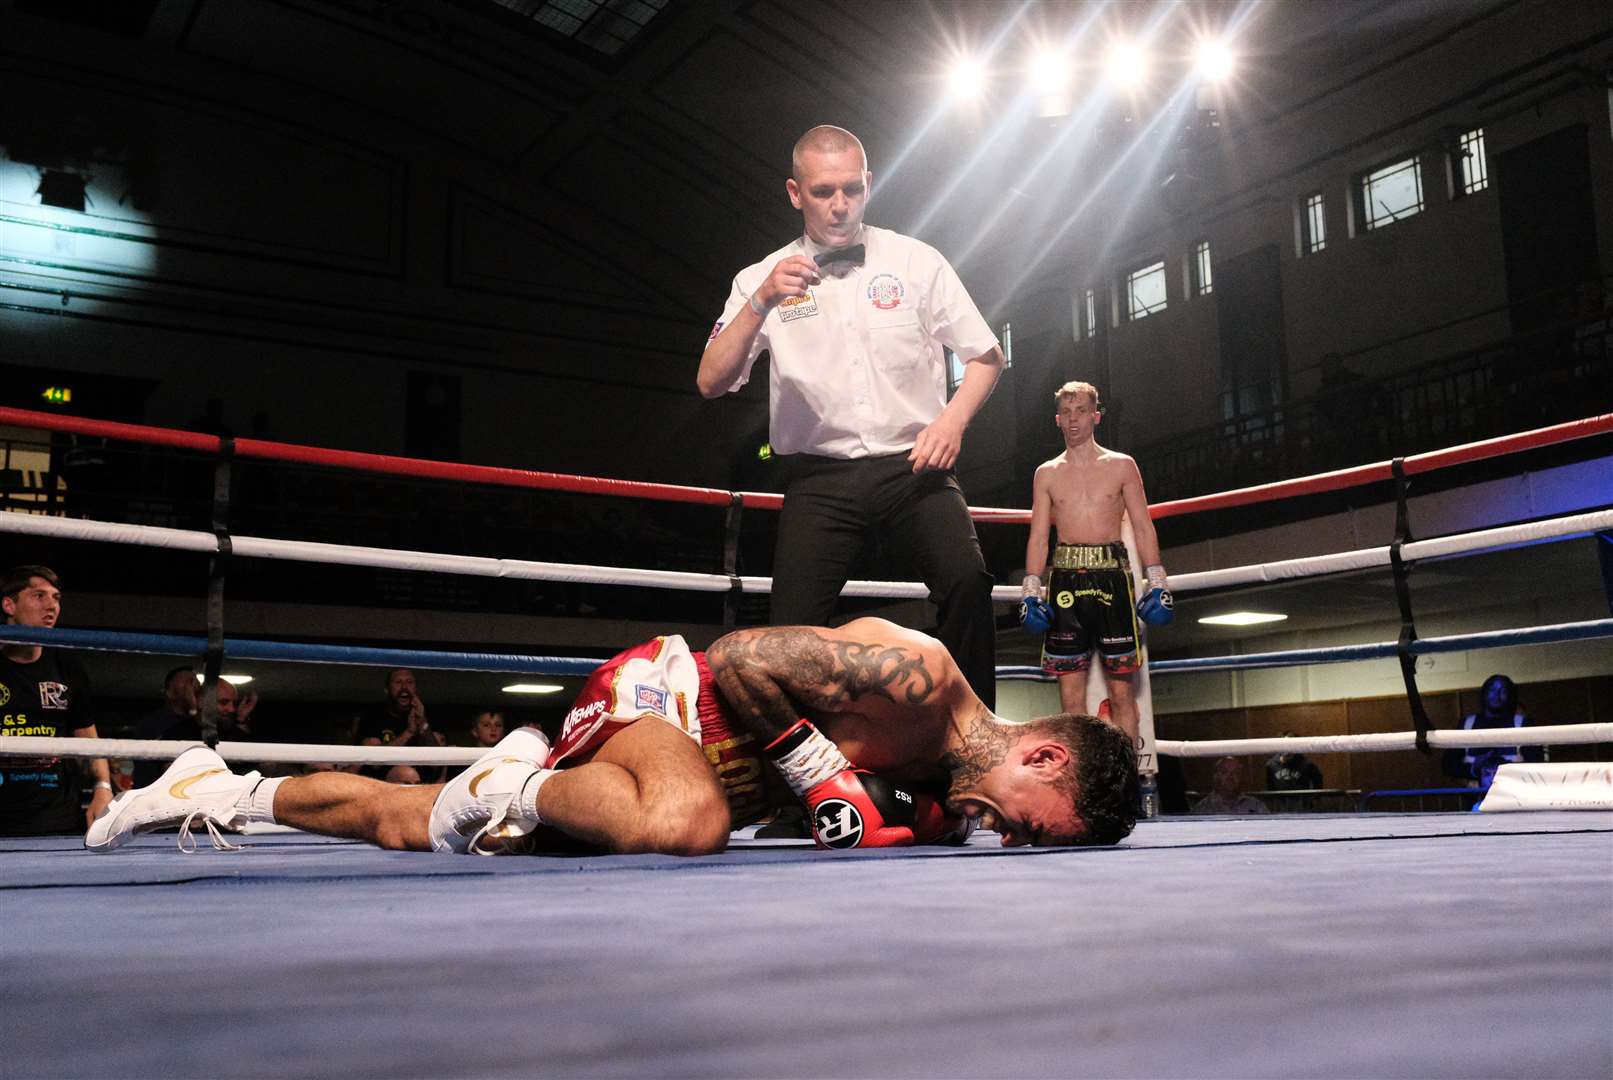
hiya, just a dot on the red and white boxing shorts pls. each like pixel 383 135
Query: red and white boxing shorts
pixel 663 680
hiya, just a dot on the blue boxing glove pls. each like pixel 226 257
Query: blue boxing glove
pixel 1035 617
pixel 1158 606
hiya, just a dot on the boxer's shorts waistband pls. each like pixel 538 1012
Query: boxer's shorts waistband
pixel 1090 557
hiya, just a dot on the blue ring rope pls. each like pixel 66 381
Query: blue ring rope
pixel 247 649
pixel 1340 654
pixel 364 656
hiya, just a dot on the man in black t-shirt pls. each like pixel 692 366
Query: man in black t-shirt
pixel 43 692
pixel 1291 771
pixel 400 722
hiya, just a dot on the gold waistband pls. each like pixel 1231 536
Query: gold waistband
pixel 1090 557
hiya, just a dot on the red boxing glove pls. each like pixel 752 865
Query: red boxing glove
pixel 846 806
pixel 855 809
pixel 933 823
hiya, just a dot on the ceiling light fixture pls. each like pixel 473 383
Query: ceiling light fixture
pixel 1214 59
pixel 1242 618
pixel 1127 64
pixel 966 80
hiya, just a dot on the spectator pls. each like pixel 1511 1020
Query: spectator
pixel 175 718
pixel 401 721
pixel 235 712
pixel 1499 707
pixel 487 728
pixel 1228 796
pixel 44 692
pixel 855 318
pixel 1291 771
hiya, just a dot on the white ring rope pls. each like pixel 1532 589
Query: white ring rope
pixel 280 753
pixel 521 569
pixel 1367 558
pixel 288 753
pixel 1547 735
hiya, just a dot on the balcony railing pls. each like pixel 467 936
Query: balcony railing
pixel 1546 377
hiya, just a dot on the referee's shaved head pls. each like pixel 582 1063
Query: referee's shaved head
pixel 825 139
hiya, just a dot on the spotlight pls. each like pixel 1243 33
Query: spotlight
pixel 1213 59
pixel 1049 71
pixel 1127 64
pixel 966 80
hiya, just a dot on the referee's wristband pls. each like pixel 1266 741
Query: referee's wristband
pixel 757 306
pixel 104 784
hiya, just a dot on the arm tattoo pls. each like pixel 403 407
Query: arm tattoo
pixel 770 677
pixel 985 746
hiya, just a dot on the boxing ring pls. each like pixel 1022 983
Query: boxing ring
pixel 1377 944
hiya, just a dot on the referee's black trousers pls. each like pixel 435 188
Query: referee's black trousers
pixel 831 504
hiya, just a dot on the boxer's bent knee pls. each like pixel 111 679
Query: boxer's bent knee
pixel 681 807
pixel 695 822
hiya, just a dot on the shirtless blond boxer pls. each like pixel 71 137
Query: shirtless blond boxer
pixel 871 725
pixel 1086 606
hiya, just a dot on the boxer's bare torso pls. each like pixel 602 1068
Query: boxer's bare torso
pixel 1086 493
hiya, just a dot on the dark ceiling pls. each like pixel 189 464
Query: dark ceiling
pixel 664 165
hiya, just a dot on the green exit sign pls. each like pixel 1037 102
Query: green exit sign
pixel 57 395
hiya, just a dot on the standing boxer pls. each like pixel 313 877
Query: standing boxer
pixel 1087 604
pixel 871 725
pixel 855 318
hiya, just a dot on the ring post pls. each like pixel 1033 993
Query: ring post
pixel 217 569
pixel 730 559
pixel 1408 626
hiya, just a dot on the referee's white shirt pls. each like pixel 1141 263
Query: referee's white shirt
pixel 857 366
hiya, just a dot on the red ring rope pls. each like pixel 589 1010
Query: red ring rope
pixel 526 478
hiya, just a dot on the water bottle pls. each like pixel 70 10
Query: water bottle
pixel 1148 789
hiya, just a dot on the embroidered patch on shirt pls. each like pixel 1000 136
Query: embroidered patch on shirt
pixel 797 307
pixel 886 291
pixel 54 695
pixel 715 330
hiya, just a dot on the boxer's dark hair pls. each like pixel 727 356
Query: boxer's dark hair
pixel 17 578
pixel 1101 777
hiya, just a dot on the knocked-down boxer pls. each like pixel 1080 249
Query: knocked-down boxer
pixel 871 725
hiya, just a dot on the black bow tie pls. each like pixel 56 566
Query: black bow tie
pixel 853 255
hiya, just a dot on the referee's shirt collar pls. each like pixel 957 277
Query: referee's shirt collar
pixel 813 249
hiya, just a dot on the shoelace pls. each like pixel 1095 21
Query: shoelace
pixel 476 840
pixel 219 843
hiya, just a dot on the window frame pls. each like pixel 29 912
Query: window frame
pixel 1201 277
pixel 1364 179
pixel 1131 277
pixel 1462 156
pixel 1312 223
